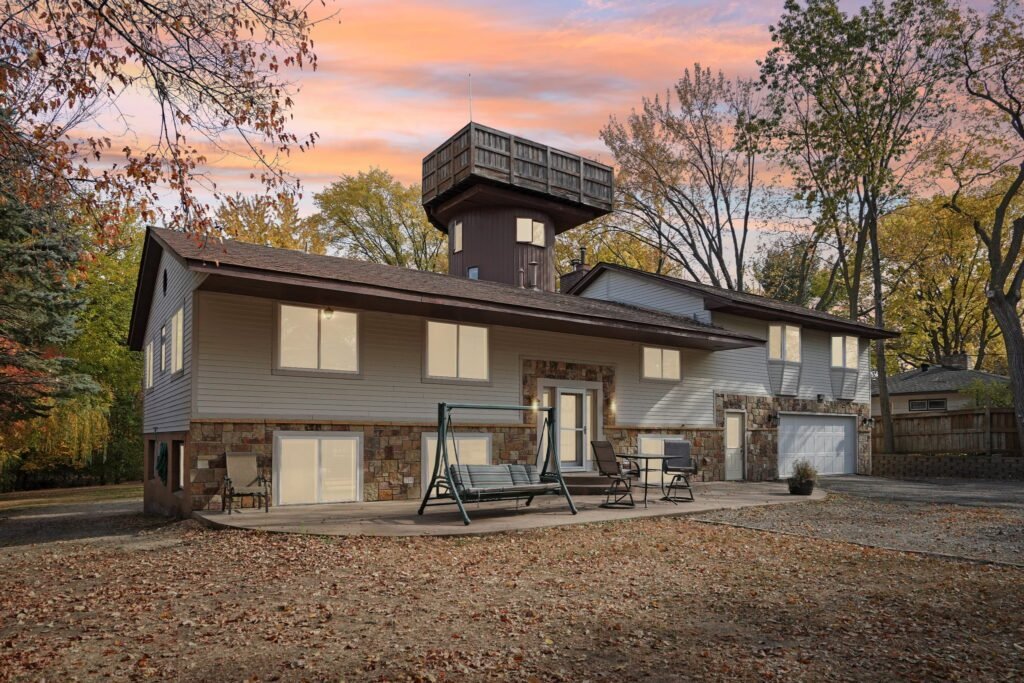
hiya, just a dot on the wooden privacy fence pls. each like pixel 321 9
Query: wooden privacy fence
pixel 956 431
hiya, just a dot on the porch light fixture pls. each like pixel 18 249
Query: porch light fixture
pixel 821 398
pixel 773 420
pixel 867 422
pixel 328 313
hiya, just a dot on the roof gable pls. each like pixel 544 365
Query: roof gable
pixel 741 303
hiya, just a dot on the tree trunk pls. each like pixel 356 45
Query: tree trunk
pixel 1005 313
pixel 888 438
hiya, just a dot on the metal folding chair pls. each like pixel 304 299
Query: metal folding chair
pixel 619 493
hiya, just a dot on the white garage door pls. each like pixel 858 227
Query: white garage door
pixel 317 468
pixel 829 442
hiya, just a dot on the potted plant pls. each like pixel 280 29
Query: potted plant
pixel 801 482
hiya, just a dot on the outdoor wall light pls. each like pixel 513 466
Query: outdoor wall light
pixel 773 420
pixel 328 313
pixel 867 422
pixel 821 398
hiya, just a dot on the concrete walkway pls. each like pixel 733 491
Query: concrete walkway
pixel 971 492
pixel 400 519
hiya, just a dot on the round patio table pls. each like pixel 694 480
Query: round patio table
pixel 646 469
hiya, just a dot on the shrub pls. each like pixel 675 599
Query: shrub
pixel 803 471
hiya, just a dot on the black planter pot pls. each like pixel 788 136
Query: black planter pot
pixel 803 488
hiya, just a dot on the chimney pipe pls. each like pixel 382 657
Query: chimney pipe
pixel 522 279
pixel 583 259
pixel 533 274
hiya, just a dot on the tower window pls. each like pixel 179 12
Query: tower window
pixel 473 272
pixel 457 237
pixel 529 231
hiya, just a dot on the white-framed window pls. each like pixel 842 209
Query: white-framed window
pixel 784 342
pixel 178 341
pixel 926 404
pixel 474 449
pixel 317 467
pixel 457 351
pixel 661 364
pixel 149 365
pixel 845 352
pixel 163 348
pixel 457 236
pixel 530 231
pixel 314 338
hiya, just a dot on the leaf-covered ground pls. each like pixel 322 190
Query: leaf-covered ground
pixel 653 599
pixel 983 533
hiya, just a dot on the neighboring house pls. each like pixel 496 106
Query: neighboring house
pixel 331 369
pixel 933 388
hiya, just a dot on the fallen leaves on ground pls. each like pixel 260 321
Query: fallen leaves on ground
pixel 650 599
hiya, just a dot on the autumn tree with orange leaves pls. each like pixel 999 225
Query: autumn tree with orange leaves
pixel 214 72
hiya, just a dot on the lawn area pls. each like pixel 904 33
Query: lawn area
pixel 651 599
pixel 82 494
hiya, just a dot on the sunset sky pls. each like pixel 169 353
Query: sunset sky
pixel 392 81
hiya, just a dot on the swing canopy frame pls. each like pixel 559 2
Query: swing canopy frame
pixel 453 483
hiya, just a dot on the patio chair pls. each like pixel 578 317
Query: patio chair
pixel 619 474
pixel 244 478
pixel 681 466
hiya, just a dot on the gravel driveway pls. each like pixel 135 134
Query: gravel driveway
pixel 985 524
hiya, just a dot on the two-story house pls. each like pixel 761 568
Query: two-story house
pixel 331 369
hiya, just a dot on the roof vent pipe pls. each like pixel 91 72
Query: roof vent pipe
pixel 522 278
pixel 583 259
pixel 533 274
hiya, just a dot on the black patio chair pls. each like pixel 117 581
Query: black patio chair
pixel 681 466
pixel 619 493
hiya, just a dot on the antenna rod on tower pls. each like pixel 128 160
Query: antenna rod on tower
pixel 470 97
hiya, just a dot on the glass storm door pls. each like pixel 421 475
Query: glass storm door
pixel 572 428
pixel 734 433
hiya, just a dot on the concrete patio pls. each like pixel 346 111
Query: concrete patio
pixel 399 518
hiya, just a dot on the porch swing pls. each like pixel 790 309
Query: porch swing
pixel 458 484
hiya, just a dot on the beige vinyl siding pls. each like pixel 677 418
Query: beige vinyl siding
pixel 638 291
pixel 167 406
pixel 235 346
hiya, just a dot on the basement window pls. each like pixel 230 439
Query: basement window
pixel 845 352
pixel 529 231
pixel 661 364
pixel 784 343
pixel 457 351
pixel 312 338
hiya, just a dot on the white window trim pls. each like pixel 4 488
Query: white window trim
pixel 276 460
pixel 927 405
pixel 441 379
pixel 177 323
pixel 277 369
pixel 163 348
pixel 846 340
pixel 784 343
pixel 427 468
pixel 662 379
pixel 148 370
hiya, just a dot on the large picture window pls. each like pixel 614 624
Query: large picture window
pixel 456 351
pixel 784 343
pixel 845 352
pixel 661 364
pixel 322 339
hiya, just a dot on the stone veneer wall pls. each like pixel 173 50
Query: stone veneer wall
pixel 391 453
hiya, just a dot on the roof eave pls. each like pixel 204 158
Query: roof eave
pixel 266 283
pixel 149 264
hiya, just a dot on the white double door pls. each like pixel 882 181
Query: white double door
pixel 317 468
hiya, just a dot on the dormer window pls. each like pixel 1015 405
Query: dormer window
pixel 529 231
pixel 784 343
pixel 457 236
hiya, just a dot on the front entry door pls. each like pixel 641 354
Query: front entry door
pixel 734 436
pixel 572 428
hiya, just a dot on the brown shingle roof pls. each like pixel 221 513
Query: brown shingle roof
pixel 225 258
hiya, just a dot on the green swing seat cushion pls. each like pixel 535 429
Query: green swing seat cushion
pixel 499 479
